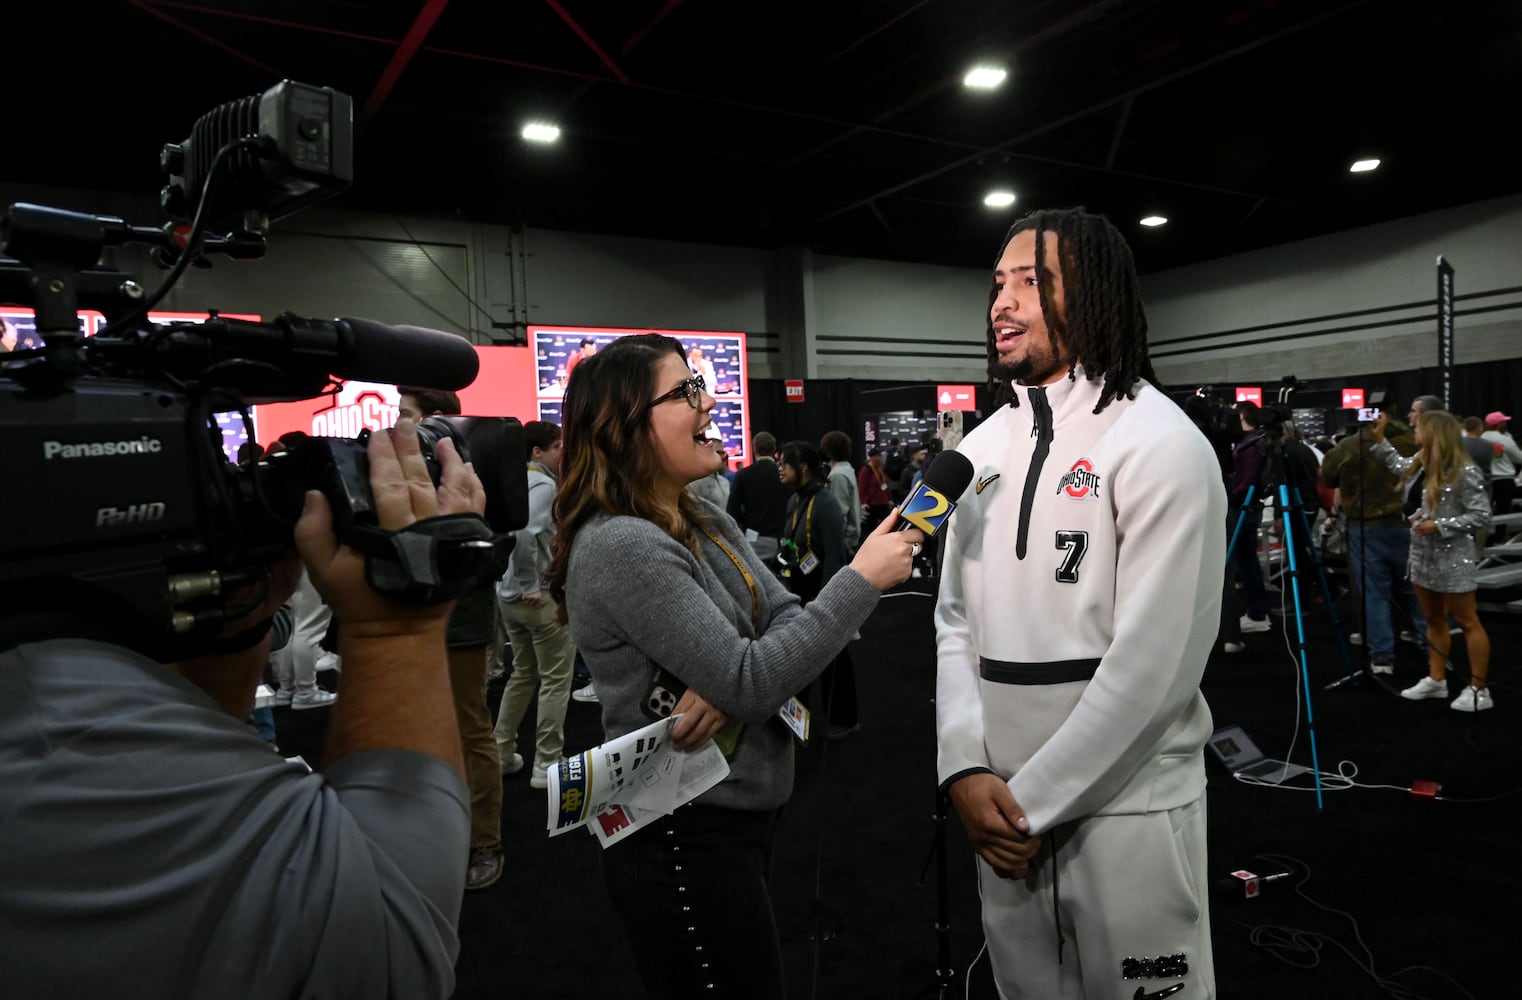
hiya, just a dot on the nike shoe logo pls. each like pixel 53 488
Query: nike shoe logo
pixel 984 482
pixel 1167 991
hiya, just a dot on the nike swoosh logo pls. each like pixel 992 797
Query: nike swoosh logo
pixel 1167 991
pixel 984 482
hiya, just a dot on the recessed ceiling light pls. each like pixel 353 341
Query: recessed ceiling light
pixel 984 77
pixel 1155 220
pixel 1363 166
pixel 999 199
pixel 541 132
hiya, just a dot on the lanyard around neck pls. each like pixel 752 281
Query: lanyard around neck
pixel 808 524
pixel 750 581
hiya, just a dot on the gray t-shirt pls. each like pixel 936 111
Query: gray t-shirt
pixel 638 600
pixel 152 846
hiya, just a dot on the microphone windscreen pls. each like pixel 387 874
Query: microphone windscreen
pixel 408 355
pixel 931 502
pixel 949 474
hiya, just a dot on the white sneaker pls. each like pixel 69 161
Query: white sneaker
pixel 511 763
pixel 316 698
pixel 328 661
pixel 1473 699
pixel 283 698
pixel 1426 688
pixel 1355 638
pixel 1233 647
pixel 1254 624
pixel 1457 630
pixel 585 694
pixel 539 778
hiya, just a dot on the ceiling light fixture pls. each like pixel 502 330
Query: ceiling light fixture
pixel 1153 221
pixel 984 77
pixel 541 132
pixel 999 199
pixel 1364 166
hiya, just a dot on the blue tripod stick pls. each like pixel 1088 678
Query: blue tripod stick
pixel 1305 674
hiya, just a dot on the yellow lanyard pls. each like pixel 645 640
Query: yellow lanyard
pixel 750 581
pixel 808 525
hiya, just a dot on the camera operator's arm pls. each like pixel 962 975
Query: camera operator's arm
pixel 395 685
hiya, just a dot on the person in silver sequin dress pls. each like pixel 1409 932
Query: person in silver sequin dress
pixel 1454 507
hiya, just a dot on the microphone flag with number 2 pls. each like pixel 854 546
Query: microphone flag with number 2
pixel 933 500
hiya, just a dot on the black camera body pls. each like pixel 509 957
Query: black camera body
pixel 123 520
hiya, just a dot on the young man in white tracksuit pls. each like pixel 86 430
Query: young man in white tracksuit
pixel 1079 601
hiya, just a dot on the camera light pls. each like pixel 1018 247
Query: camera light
pixel 541 132
pixel 999 199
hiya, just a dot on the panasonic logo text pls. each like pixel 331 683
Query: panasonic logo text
pixel 101 449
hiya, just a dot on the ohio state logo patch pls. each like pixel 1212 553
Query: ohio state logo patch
pixel 1081 481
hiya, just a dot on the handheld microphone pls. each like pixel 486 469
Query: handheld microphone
pixel 1243 884
pixel 932 501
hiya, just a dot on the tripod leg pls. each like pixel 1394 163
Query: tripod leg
pixel 1326 590
pixel 1231 546
pixel 1305 673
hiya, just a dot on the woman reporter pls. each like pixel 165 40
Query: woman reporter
pixel 653 582
pixel 1454 507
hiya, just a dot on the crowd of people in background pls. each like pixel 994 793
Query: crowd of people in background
pixel 1407 504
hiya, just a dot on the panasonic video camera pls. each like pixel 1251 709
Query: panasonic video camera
pixel 121 518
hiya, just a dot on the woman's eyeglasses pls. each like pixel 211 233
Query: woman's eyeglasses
pixel 691 390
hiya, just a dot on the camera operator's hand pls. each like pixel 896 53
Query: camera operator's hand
pixel 1377 428
pixel 395 691
pixel 404 494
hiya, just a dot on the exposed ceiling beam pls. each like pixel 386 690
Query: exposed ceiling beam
pixel 1120 130
pixel 275 22
pixel 649 26
pixel 1081 113
pixel 202 36
pixel 421 26
pixel 588 41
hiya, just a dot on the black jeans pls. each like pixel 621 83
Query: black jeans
pixel 691 890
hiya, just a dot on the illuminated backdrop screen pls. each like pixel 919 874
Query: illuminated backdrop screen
pixel 718 357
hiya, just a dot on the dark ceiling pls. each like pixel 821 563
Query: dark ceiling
pixel 841 126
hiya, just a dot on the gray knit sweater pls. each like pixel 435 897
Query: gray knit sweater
pixel 638 600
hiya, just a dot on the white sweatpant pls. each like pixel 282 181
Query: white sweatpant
pixel 1128 887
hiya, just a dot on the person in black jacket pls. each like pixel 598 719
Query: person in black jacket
pixel 757 499
pixel 813 551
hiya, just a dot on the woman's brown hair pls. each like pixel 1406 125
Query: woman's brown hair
pixel 609 462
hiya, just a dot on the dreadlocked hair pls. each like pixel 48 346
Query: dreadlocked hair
pixel 1102 322
pixel 608 462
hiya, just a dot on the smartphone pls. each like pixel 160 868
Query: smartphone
pixel 1368 414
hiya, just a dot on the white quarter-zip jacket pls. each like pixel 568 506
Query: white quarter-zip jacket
pixel 1079 600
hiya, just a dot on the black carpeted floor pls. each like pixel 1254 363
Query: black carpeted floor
pixel 1425 888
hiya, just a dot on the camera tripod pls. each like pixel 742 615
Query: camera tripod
pixel 1295 524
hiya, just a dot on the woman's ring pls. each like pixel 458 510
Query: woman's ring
pixel 915 549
